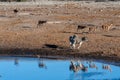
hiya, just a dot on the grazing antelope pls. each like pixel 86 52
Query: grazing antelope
pixel 41 22
pixel 106 27
pixel 92 29
pixel 15 11
pixel 81 27
pixel 76 40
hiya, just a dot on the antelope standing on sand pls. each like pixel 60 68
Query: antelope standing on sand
pixel 15 11
pixel 81 27
pixel 41 22
pixel 89 28
pixel 92 29
pixel 106 27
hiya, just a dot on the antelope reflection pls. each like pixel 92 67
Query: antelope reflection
pixel 92 65
pixel 16 62
pixel 75 67
pixel 106 67
pixel 41 64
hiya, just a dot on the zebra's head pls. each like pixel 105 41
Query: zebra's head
pixel 74 36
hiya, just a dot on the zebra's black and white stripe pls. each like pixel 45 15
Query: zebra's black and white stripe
pixel 76 40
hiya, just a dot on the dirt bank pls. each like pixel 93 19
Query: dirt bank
pixel 19 34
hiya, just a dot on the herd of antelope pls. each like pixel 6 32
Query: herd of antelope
pixel 104 27
pixel 82 28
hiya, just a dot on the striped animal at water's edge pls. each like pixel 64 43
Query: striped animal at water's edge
pixel 74 40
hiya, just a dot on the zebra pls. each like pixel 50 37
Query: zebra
pixel 76 40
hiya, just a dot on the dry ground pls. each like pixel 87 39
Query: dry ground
pixel 19 31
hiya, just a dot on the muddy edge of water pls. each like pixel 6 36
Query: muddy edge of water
pixel 59 54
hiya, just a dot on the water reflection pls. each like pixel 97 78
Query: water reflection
pixel 45 69
pixel 106 67
pixel 84 76
pixel 41 63
pixel 79 66
pixel 92 65
pixel 16 63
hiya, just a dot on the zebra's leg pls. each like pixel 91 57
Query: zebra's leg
pixel 73 46
pixel 80 44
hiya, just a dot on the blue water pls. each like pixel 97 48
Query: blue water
pixel 12 68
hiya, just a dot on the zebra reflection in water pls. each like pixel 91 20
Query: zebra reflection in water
pixel 77 67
